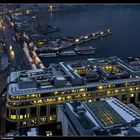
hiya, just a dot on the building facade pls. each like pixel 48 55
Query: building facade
pixel 33 95
pixel 107 117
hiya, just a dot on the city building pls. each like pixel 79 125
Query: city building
pixel 107 117
pixel 33 95
pixel 54 129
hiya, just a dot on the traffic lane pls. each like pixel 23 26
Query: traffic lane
pixel 19 59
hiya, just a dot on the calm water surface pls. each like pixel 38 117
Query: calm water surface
pixel 123 20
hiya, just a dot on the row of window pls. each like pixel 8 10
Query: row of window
pixel 50 118
pixel 66 98
pixel 51 100
pixel 105 87
pixel 31 96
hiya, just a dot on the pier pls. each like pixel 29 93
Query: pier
pixel 91 36
pixel 85 38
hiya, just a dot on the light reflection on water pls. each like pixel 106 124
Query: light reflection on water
pixel 124 22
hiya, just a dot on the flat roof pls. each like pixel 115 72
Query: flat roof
pixel 108 114
pixel 67 70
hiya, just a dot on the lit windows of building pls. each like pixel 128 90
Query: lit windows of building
pixel 91 84
pixel 68 97
pixel 100 87
pixel 131 95
pixel 48 133
pixel 131 89
pixel 137 88
pixel 20 117
pixel 56 93
pixel 82 90
pixel 116 91
pixel 59 98
pixel 13 117
pixel 52 118
pixel 25 123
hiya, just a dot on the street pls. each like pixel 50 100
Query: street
pixel 19 57
pixel 17 60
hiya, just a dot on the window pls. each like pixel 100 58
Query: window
pixel 23 113
pixel 52 118
pixel 33 121
pixel 43 120
pixel 13 115
pixel 24 123
pixel 43 110
pixel 52 109
pixel 48 133
pixel 21 117
pixel 33 111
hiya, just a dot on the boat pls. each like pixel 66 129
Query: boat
pixel 85 50
pixel 68 53
pixel 47 55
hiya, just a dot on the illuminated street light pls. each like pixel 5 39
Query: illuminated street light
pixel 12 23
pixel 12 53
pixel 11 48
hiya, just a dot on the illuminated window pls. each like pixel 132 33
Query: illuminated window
pixel 84 95
pixel 34 102
pixel 122 90
pixel 68 97
pixel 131 95
pixel 20 116
pixel 25 116
pixel 13 117
pixel 24 123
pixel 52 118
pixel 63 98
pixel 33 121
pixel 89 100
pixel 116 91
pixel 56 93
pixel 100 87
pixel 59 98
pixel 108 92
pixel 62 92
pixel 82 89
pixel 137 88
pixel 39 101
pixel 73 91
pixel 131 89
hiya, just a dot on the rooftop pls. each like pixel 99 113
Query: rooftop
pixel 107 115
pixel 73 74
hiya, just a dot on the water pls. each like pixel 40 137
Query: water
pixel 123 20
